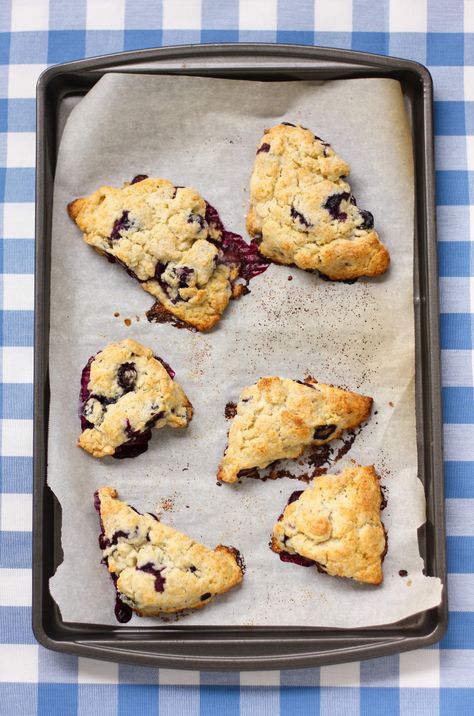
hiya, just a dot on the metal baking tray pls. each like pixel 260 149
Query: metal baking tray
pixel 242 648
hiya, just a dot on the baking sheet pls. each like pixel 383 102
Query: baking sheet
pixel 203 132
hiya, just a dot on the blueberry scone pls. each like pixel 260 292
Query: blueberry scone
pixel 335 525
pixel 278 418
pixel 172 242
pixel 302 210
pixel 155 568
pixel 125 392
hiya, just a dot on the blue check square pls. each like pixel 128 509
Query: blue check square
pixel 66 45
pixel 445 48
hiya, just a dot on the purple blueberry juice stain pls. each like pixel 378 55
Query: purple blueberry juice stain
pixel 237 251
pixel 298 216
pixel 296 559
pixel 120 225
pixel 139 178
pixel 212 217
pixel 265 147
pixel 333 204
pixel 136 445
pixel 85 394
pixel 123 613
pixel 150 568
pixel 295 496
pixel 247 256
pixel 97 501
pixel 166 366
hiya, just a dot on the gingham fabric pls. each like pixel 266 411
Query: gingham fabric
pixel 37 33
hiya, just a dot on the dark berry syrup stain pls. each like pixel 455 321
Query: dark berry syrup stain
pixel 236 251
pixel 296 559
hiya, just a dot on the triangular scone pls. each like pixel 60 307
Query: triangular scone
pixel 157 569
pixel 336 524
pixel 303 212
pixel 125 392
pixel 278 418
pixel 172 242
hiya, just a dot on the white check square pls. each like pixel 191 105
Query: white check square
pixel 15 588
pixel 18 220
pixel 18 663
pixel 470 152
pixel 468 16
pixel 408 16
pixel 18 292
pixel 22 81
pixel 15 512
pixel 105 14
pixel 17 438
pixel 17 364
pixel 334 16
pixel 258 15
pixel 175 677
pixel 21 150
pixel 419 669
pixel 92 671
pixel 29 15
pixel 260 678
pixel 468 83
pixel 181 14
pixel 340 675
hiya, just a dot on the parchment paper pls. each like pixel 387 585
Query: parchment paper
pixel 203 133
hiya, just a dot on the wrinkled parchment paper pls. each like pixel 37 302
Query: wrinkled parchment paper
pixel 203 133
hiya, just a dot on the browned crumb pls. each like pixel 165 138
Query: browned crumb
pixel 116 314
pixel 230 410
pixel 167 504
pixel 127 322
pixel 390 403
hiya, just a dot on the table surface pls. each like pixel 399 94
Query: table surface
pixel 38 33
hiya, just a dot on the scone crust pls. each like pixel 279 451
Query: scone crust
pixel 159 233
pixel 336 522
pixel 294 175
pixel 278 418
pixel 155 396
pixel 188 570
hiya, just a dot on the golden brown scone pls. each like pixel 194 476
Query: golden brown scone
pixel 125 392
pixel 157 569
pixel 278 418
pixel 336 523
pixel 169 239
pixel 303 211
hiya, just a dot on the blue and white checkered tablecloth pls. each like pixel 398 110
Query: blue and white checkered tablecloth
pixel 37 33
